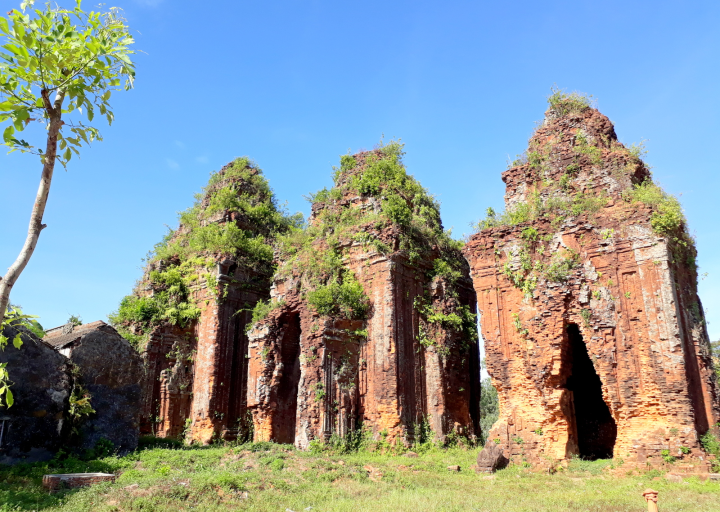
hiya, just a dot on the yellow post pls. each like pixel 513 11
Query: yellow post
pixel 651 497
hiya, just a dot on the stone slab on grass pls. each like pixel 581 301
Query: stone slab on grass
pixel 54 483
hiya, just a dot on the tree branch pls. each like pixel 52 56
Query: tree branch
pixel 45 94
pixel 36 225
pixel 74 74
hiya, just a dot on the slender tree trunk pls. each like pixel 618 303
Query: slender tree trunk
pixel 36 226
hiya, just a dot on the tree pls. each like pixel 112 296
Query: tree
pixel 489 408
pixel 58 67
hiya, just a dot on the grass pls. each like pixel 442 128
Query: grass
pixel 269 477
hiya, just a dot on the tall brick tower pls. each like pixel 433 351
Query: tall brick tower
pixel 189 311
pixel 372 318
pixel 587 290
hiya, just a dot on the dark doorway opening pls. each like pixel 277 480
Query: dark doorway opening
pixel 284 420
pixel 238 419
pixel 596 427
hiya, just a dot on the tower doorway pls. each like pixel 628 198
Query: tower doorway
pixel 284 420
pixel 596 428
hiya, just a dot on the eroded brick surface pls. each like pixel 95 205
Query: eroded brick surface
pixel 571 279
pixel 312 376
pixel 197 370
pixel 198 374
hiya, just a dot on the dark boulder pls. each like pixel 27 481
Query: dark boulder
pixel 32 429
pixel 112 371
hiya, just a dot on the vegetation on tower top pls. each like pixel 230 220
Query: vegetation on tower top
pixel 576 170
pixel 374 203
pixel 235 217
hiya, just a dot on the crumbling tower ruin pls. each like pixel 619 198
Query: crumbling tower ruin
pixel 372 317
pixel 587 290
pixel 189 312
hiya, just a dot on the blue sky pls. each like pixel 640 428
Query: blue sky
pixel 296 84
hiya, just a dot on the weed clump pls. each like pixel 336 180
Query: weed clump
pixel 346 299
pixel 562 103
pixel 711 444
pixel 667 220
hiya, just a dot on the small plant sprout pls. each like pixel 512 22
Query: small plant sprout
pixel 586 314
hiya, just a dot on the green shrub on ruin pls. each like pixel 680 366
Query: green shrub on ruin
pixel 583 147
pixel 346 299
pixel 317 251
pixel 715 354
pixel 262 309
pixel 240 188
pixel 563 103
pixel 447 269
pixel 560 267
pixel 667 218
pixel 554 207
pixel 711 444
pixel 456 318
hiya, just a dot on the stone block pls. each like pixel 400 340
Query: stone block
pixel 491 458
pixel 54 483
pixel 112 371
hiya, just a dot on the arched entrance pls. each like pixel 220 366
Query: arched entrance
pixel 287 391
pixel 596 429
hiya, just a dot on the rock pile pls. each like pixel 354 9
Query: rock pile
pixel 80 386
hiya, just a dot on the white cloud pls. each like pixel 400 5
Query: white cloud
pixel 202 159
pixel 179 144
pixel 172 164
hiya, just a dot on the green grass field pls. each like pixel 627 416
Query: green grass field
pixel 270 477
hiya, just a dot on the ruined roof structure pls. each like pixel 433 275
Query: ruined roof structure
pixel 587 290
pixel 63 336
pixel 188 313
pixel 77 386
pixel 372 318
pixel 107 369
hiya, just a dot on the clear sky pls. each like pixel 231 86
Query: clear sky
pixel 295 84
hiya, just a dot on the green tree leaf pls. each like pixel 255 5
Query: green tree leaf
pixel 56 62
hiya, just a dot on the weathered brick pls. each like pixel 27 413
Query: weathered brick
pixel 629 299
pixel 313 376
